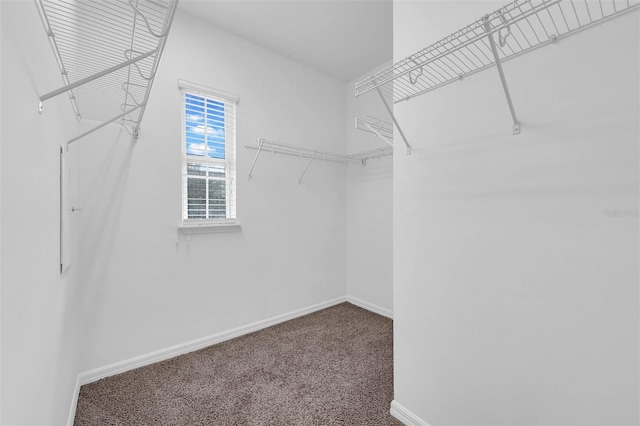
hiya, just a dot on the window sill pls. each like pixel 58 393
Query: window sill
pixel 208 227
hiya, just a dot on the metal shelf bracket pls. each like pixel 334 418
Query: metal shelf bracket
pixel 496 57
pixel 135 29
pixel 380 128
pixel 393 117
pixel 255 159
pixel 519 27
pixel 307 168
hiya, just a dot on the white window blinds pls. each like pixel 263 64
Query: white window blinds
pixel 208 154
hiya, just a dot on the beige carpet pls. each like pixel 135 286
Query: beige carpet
pixel 332 367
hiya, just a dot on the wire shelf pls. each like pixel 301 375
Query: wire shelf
pixel 300 151
pixel 112 48
pixel 314 154
pixel 362 157
pixel 519 27
pixel 376 126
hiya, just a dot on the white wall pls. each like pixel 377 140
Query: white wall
pixel 369 206
pixel 146 286
pixel 39 323
pixel 515 296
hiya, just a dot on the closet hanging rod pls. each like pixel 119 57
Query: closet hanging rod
pixel 300 151
pixel 372 154
pixel 314 154
pixel 526 24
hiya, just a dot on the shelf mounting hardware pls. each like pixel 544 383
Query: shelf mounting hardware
pixel 393 117
pixel 380 128
pixel 95 76
pixel 370 127
pixel 307 168
pixel 315 154
pixel 521 26
pixel 101 125
pixel 414 78
pixel 255 159
pixel 496 57
pixel 120 40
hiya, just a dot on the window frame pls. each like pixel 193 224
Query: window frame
pixel 229 162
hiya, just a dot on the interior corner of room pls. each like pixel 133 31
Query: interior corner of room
pixel 182 176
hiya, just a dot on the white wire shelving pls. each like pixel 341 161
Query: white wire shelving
pixel 378 127
pixel 274 147
pixel 108 53
pixel 517 28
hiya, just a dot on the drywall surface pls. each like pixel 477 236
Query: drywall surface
pixel 515 287
pixel 369 206
pixel 148 286
pixel 39 326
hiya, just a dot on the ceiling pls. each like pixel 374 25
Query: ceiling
pixel 341 38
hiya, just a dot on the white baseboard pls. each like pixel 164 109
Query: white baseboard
pixel 194 345
pixel 370 307
pixel 406 416
pixel 74 402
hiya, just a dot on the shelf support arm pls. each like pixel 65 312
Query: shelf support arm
pixel 370 127
pixel 307 168
pixel 494 50
pixel 393 117
pixel 255 160
pixel 95 76
pixel 100 126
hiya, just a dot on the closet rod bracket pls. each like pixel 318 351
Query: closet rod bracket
pixel 255 160
pixel 494 50
pixel 393 117
pixel 377 133
pixel 100 126
pixel 307 168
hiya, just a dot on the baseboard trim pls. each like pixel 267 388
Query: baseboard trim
pixel 194 345
pixel 406 416
pixel 370 307
pixel 74 402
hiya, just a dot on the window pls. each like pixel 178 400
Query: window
pixel 208 155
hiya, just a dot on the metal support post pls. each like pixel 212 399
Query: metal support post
pixel 101 125
pixel 256 157
pixel 370 127
pixel 393 117
pixel 494 49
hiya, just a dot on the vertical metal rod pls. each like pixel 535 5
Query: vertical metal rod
pixel 256 157
pixel 586 5
pixel 101 125
pixel 95 76
pixel 307 168
pixel 393 117
pixel 62 206
pixel 516 123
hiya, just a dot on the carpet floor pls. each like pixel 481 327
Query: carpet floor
pixel 331 367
